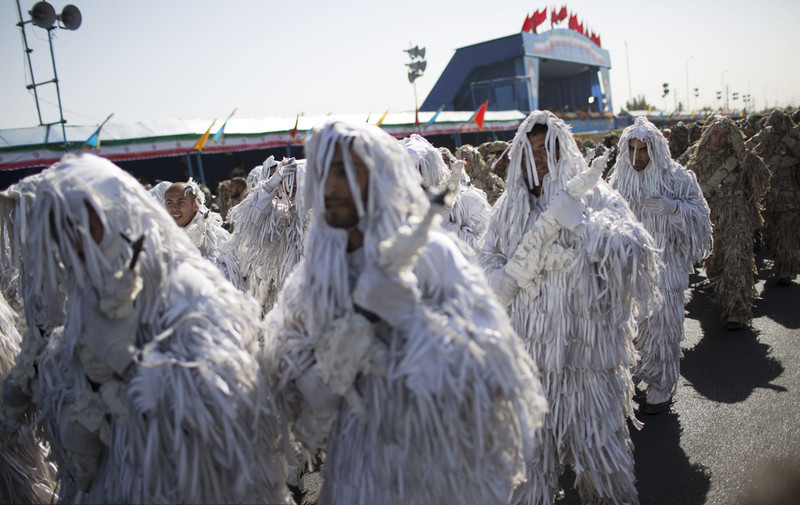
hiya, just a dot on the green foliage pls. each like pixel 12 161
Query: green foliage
pixel 638 103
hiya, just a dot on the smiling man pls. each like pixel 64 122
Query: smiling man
pixel 185 203
pixel 394 357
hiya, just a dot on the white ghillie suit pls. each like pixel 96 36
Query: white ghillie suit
pixel 436 406
pixel 159 189
pixel 667 200
pixel 151 393
pixel 781 153
pixel 207 234
pixel 267 238
pixel 44 312
pixel 733 181
pixel 25 476
pixel 469 214
pixel 573 294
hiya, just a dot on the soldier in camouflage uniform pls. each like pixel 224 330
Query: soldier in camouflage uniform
pixel 778 143
pixel 733 181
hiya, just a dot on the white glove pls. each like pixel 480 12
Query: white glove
pixel 568 211
pixel 661 205
pixel 112 340
pixel 387 296
pixel 285 167
pixel 505 285
pixel 118 293
pixel 315 392
pixel 600 161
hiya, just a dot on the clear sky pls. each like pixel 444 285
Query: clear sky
pixel 198 59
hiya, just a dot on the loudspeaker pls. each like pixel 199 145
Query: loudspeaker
pixel 70 17
pixel 43 15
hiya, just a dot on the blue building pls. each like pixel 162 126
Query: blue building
pixel 560 70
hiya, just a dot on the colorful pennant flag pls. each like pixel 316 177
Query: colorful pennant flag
pixel 221 132
pixel 94 140
pixel 293 133
pixel 380 121
pixel 477 117
pixel 201 142
pixel 433 118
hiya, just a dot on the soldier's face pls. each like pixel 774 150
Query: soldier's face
pixel 719 139
pixel 638 153
pixel 340 208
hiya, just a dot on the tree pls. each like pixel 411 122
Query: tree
pixel 638 103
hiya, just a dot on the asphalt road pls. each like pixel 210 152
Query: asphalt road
pixel 733 432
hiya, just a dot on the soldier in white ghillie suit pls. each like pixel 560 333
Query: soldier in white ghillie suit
pixel 186 204
pixel 25 476
pixel 667 199
pixel 575 267
pixel 469 210
pixel 395 357
pixel 267 238
pixel 150 392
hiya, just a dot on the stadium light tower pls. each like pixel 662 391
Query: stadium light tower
pixel 44 16
pixel 415 70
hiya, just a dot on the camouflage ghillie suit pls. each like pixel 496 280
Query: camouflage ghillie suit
pixel 694 139
pixel 679 140
pixel 778 143
pixel 481 174
pixel 491 152
pixel 733 181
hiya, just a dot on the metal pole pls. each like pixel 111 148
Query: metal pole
pixel 28 52
pixel 58 91
pixel 189 164
pixel 200 169
pixel 628 64
pixel 416 107
pixel 688 105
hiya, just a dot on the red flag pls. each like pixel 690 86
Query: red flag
pixel 562 14
pixel 539 17
pixel 478 117
pixel 526 26
pixel 573 22
pixel 553 15
pixel 579 28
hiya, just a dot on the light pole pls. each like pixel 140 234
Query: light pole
pixel 687 81
pixel 44 16
pixel 725 89
pixel 415 70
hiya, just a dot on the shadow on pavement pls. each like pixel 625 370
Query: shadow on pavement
pixel 779 303
pixel 664 475
pixel 726 366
